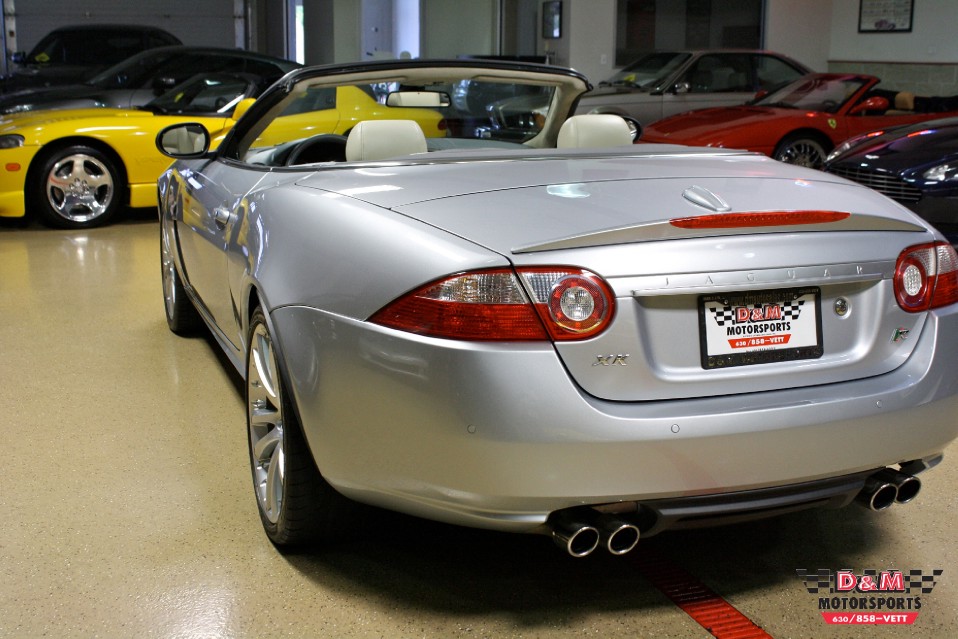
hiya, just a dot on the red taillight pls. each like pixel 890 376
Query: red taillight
pixel 492 305
pixel 758 219
pixel 926 276
pixel 573 304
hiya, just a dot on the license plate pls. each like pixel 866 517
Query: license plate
pixel 759 327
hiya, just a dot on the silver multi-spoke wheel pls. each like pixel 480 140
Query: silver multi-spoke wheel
pixel 296 505
pixel 266 424
pixel 168 272
pixel 801 151
pixel 78 187
pixel 181 316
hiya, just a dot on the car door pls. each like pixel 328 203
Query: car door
pixel 869 121
pixel 713 79
pixel 209 214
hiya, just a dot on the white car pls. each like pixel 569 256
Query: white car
pixel 665 83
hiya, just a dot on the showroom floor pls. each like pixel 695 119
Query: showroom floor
pixel 127 509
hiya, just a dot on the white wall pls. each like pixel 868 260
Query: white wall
pixel 462 27
pixel 797 28
pixel 931 40
pixel 589 29
pixel 802 29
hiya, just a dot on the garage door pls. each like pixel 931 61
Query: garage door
pixel 217 23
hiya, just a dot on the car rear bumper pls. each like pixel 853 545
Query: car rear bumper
pixel 498 436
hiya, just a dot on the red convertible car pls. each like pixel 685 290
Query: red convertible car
pixel 799 123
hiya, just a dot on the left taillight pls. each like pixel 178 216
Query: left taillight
pixel 561 303
pixel 926 276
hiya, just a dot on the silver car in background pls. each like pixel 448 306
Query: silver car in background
pixel 664 83
pixel 572 335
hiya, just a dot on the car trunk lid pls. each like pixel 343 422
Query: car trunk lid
pixel 704 309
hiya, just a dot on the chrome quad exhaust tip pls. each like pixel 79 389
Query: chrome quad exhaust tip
pixel 907 486
pixel 581 532
pixel 618 536
pixel 574 534
pixel 887 487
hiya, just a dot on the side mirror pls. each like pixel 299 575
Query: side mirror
pixel 635 128
pixel 185 140
pixel 162 84
pixel 242 107
pixel 874 103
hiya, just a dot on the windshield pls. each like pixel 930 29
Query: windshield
pixel 85 48
pixel 132 72
pixel 205 94
pixel 814 93
pixel 649 71
pixel 453 108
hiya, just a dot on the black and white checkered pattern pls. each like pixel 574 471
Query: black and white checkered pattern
pixel 914 581
pixel 816 582
pixel 792 310
pixel 723 314
pixel 726 314
pixel 921 581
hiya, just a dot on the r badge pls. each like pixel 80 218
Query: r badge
pixel 901 334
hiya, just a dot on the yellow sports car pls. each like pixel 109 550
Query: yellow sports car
pixel 78 168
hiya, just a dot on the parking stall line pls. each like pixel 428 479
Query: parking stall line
pixel 697 600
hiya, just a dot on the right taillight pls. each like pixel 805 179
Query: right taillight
pixel 926 276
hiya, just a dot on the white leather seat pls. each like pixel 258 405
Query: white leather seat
pixel 372 140
pixel 594 129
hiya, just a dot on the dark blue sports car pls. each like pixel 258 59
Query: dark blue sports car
pixel 917 165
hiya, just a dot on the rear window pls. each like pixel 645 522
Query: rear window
pixel 88 47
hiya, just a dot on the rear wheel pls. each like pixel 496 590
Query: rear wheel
pixel 181 316
pixel 296 505
pixel 77 187
pixel 802 150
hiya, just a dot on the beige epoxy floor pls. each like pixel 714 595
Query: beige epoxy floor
pixel 127 511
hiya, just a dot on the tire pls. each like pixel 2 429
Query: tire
pixel 295 503
pixel 801 150
pixel 181 316
pixel 77 187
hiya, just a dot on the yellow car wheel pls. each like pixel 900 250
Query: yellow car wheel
pixel 77 187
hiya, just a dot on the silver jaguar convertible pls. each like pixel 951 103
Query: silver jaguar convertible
pixel 531 324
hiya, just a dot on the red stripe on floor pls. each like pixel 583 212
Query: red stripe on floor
pixel 708 609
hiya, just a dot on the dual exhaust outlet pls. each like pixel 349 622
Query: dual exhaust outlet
pixel 581 533
pixel 888 487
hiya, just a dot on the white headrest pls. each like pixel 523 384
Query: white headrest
pixel 594 129
pixel 372 140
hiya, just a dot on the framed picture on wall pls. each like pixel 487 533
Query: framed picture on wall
pixel 884 16
pixel 552 20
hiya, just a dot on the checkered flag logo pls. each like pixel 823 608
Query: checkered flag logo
pixel 816 582
pixel 921 581
pixel 792 310
pixel 726 314
pixel 914 581
pixel 723 314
